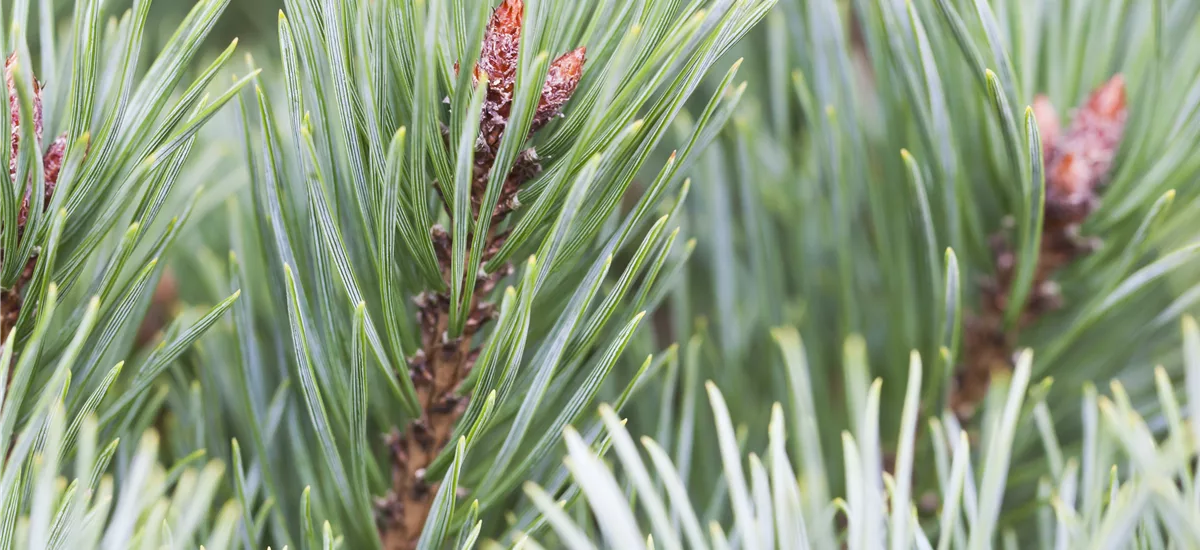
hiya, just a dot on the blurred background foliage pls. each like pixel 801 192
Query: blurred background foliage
pixel 250 21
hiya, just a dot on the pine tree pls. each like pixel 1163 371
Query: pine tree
pixel 416 273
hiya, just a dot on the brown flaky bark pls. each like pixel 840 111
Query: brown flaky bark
pixel 444 361
pixel 11 299
pixel 1077 163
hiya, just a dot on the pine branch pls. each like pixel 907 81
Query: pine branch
pixel 1077 164
pixel 448 353
pixel 11 298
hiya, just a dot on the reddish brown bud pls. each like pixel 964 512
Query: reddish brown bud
pixel 14 111
pixel 497 63
pixel 53 161
pixel 1081 158
pixel 501 44
pixel 1108 101
pixel 561 81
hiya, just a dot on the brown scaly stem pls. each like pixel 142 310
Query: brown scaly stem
pixel 443 362
pixel 1077 163
pixel 163 308
pixel 12 299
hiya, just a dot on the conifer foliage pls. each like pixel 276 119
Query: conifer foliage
pixel 87 221
pixel 460 274
pixel 52 160
pixel 1075 163
pixel 451 194
pixel 448 352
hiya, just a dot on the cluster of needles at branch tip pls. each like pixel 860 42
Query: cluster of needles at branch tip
pixel 445 360
pixel 11 299
pixel 1077 163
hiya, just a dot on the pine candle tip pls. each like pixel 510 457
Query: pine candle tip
pixel 1109 99
pixel 511 9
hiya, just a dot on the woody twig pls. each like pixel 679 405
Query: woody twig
pixel 443 362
